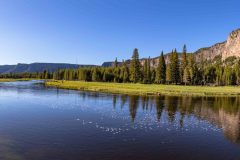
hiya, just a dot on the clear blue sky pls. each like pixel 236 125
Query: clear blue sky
pixel 94 31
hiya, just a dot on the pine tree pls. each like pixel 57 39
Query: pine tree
pixel 192 68
pixel 169 74
pixel 175 67
pixel 153 75
pixel 183 62
pixel 135 67
pixel 186 76
pixel 145 74
pixel 121 72
pixel 161 70
pixel 125 72
pixel 237 71
pixel 227 75
pixel 104 76
pixel 219 74
pixel 55 75
pixel 116 71
pixel 95 74
pixel 149 70
pixel 115 63
pixel 46 75
pixel 65 74
pixel 81 74
pixel 69 75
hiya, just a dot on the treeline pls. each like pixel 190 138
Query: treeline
pixel 38 75
pixel 179 69
pixel 175 69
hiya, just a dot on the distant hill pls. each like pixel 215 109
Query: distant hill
pixel 37 67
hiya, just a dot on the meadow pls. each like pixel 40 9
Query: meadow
pixel 146 89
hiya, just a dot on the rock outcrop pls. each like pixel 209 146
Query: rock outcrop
pixel 226 49
pixel 232 46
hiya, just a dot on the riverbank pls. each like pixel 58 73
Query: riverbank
pixel 7 80
pixel 14 80
pixel 146 89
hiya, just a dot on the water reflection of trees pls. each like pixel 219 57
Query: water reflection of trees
pixel 133 106
pixel 221 111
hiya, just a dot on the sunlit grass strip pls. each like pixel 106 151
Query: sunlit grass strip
pixel 7 80
pixel 146 89
pixel 14 80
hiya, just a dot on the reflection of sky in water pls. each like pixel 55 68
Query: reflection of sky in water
pixel 48 121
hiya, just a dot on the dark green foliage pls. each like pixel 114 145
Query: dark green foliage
pixel 230 60
pixel 145 76
pixel 229 76
pixel 209 74
pixel 153 75
pixel 237 72
pixel 191 64
pixel 161 70
pixel 125 72
pixel 135 67
pixel 217 60
pixel 108 75
pixel 147 71
pixel 184 62
pixel 174 67
pixel 168 74
pixel 25 75
pixel 46 75
pixel 186 76
pixel 96 74
pixel 219 75
pixel 117 72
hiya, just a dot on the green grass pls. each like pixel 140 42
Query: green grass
pixel 7 80
pixel 14 80
pixel 146 89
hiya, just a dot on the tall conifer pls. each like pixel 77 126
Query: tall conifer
pixel 135 67
pixel 175 67
pixel 149 70
pixel 145 71
pixel 161 70
pixel 183 62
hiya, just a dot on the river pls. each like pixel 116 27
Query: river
pixel 39 123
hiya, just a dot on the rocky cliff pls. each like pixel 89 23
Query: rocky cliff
pixel 232 46
pixel 226 49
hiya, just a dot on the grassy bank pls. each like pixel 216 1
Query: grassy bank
pixel 146 89
pixel 14 80
pixel 7 80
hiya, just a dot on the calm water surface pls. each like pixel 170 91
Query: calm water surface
pixel 38 123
